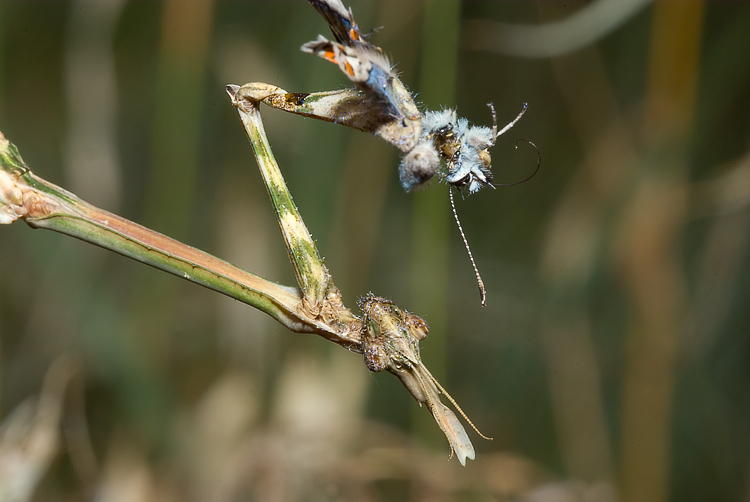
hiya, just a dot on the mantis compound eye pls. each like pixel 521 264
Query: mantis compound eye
pixel 417 326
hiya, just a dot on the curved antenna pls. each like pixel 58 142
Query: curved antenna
pixel 495 134
pixel 480 282
pixel 538 165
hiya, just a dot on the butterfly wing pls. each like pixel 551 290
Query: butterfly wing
pixel 362 62
pixel 339 19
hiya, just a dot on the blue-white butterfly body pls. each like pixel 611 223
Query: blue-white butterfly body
pixel 364 63
pixel 429 140
pixel 437 137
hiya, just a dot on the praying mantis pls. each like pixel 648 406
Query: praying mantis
pixel 387 335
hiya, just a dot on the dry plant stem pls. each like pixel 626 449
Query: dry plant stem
pixel 44 205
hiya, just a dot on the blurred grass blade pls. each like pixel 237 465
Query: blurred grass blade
pixel 585 27
pixel 30 435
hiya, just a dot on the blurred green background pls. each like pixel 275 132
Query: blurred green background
pixel 611 362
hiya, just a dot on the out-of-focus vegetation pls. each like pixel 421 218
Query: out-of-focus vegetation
pixel 610 364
